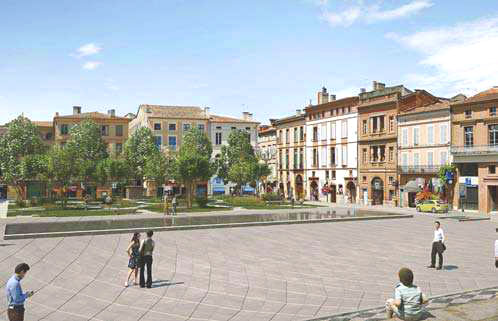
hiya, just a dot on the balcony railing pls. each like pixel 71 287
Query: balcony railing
pixel 418 169
pixel 474 150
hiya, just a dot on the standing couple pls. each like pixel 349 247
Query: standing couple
pixel 140 257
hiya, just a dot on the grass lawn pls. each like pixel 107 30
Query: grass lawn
pixel 159 208
pixel 68 213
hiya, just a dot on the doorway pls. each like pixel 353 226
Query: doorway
pixel 351 192
pixel 299 187
pixel 377 191
pixel 314 191
pixel 493 198
pixel 333 193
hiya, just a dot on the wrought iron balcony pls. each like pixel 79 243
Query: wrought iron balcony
pixel 474 150
pixel 419 169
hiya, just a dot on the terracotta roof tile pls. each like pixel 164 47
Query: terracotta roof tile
pixel 43 123
pixel 92 115
pixel 226 119
pixel 161 111
pixel 441 105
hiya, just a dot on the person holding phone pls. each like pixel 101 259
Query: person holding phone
pixel 15 295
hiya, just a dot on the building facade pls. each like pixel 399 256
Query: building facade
pixel 267 151
pixel 377 143
pixel 219 128
pixel 291 146
pixel 331 149
pixel 474 134
pixel 423 126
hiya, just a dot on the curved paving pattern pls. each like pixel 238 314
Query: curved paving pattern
pixel 289 272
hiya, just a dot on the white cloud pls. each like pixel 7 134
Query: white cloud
pixel 110 84
pixel 361 11
pixel 92 65
pixel 87 50
pixel 460 58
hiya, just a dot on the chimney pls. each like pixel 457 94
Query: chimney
pixel 250 116
pixel 56 114
pixel 331 97
pixel 378 85
pixel 76 110
pixel 246 115
pixel 112 112
pixel 298 112
pixel 323 96
pixel 206 111
pixel 363 90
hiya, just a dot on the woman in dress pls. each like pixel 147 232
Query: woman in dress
pixel 133 252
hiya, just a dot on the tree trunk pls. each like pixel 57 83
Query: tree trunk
pixel 188 189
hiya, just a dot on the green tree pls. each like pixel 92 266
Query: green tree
pixel 113 170
pixel 158 168
pixel 192 164
pixel 21 151
pixel 138 148
pixel 88 148
pixel 61 170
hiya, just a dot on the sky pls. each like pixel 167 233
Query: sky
pixel 269 57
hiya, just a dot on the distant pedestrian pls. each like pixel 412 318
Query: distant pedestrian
pixel 496 253
pixel 146 250
pixel 408 299
pixel 438 246
pixel 133 251
pixel 15 296
pixel 174 204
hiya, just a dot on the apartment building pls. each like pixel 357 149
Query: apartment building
pixel 377 143
pixel 219 128
pixel 423 126
pixel 291 160
pixel 267 151
pixel 114 129
pixel 168 124
pixel 331 148
pixel 474 135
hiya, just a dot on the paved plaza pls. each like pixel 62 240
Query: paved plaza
pixel 280 272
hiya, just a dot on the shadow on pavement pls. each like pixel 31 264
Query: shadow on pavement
pixel 450 267
pixel 161 283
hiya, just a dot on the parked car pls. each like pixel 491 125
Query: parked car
pixel 433 206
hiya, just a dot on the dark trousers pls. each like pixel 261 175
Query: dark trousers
pixel 146 262
pixel 16 314
pixel 437 247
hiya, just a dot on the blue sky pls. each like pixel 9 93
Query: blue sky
pixel 268 57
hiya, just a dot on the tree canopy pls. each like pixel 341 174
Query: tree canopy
pixel 138 148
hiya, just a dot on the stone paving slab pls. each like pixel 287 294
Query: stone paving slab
pixel 287 272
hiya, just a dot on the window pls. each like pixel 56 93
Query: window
pixel 333 174
pixel 344 129
pixel 104 129
pixel 444 157
pixel 444 133
pixel 415 159
pixel 382 153
pixel 326 175
pixel 119 148
pixel 301 133
pixel 364 178
pixel 332 130
pixel 172 142
pixel 468 113
pixel 218 138
pixel 48 136
pixel 323 161
pixel 404 159
pixel 64 129
pixel 391 180
pixel 492 169
pixel 365 127
pixel 287 136
pixel 286 159
pixel 374 152
pixel 493 135
pixel 295 135
pixel 218 127
pixel 186 127
pixel 332 156
pixel 158 141
pixel 315 157
pixel 119 130
pixel 172 127
pixel 201 127
pixel 301 158
pixel 405 136
pixel 430 135
pixel 344 155
pixel 468 136
pixel 280 159
pixel 416 140
pixel 391 154
pixel 296 161
pixel 492 111
pixel 364 155
pixel 157 126
pixel 324 131
pixel 315 134
pixel 391 123
pixel 430 158
pixel 248 128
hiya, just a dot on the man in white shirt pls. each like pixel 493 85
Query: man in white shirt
pixel 437 246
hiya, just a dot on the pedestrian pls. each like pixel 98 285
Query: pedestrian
pixel 174 204
pixel 133 251
pixel 438 246
pixel 15 296
pixel 408 299
pixel 146 250
pixel 496 253
pixel 166 204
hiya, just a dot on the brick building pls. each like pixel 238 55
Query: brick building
pixel 474 135
pixel 377 143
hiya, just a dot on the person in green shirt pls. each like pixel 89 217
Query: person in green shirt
pixel 408 299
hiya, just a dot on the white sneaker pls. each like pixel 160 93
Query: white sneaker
pixel 126 284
